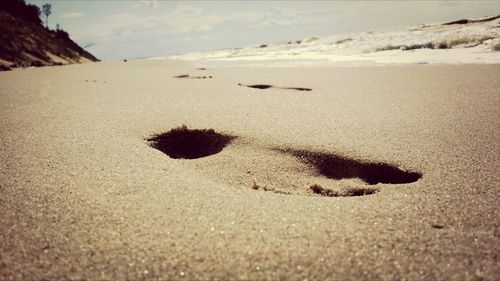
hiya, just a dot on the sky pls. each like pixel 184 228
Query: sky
pixel 116 29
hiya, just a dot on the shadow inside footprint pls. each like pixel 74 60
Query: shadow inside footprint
pixel 183 143
pixel 297 89
pixel 258 86
pixel 338 167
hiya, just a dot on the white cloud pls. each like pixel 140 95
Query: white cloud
pixel 148 3
pixel 205 27
pixel 126 32
pixel 185 19
pixel 276 17
pixel 72 15
pixel 117 25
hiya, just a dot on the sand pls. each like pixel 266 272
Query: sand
pixel 83 195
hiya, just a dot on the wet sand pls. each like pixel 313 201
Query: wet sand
pixel 84 195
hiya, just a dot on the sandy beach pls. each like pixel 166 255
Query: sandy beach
pixel 85 196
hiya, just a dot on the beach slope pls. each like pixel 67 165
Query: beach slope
pixel 374 173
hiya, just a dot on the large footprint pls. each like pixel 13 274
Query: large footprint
pixel 249 164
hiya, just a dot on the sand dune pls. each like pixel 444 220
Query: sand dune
pixel 376 173
pixel 469 41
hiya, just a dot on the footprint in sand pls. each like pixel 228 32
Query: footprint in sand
pixel 266 86
pixel 249 164
pixel 187 76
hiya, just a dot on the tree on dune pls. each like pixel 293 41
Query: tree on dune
pixel 46 10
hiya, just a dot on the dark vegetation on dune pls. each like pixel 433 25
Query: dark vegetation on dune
pixel 26 42
pixel 466 21
pixel 184 143
pixel 21 10
pixel 339 167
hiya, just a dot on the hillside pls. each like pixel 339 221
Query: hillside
pixel 28 43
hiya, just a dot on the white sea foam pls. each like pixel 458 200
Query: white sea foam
pixel 474 42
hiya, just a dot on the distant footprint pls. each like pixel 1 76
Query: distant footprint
pixel 248 163
pixel 187 76
pixel 265 86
